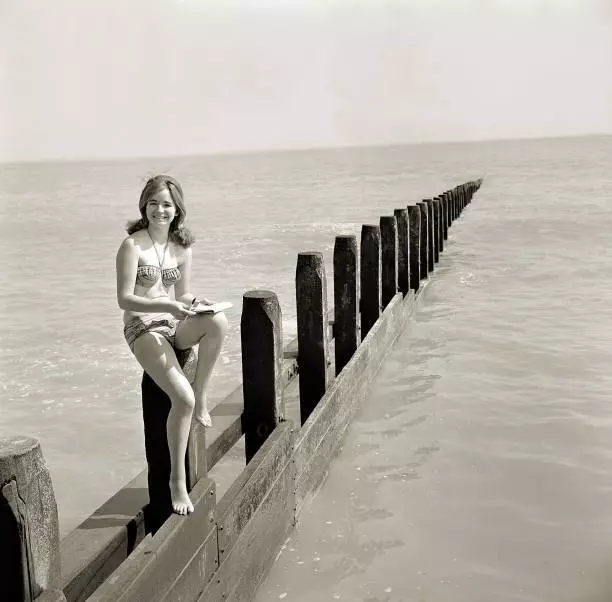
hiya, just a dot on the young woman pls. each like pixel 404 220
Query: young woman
pixel 153 259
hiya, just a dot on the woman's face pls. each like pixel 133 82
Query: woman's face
pixel 160 209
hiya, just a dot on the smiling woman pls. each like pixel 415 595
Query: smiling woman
pixel 153 259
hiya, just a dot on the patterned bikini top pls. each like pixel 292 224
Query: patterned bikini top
pixel 147 275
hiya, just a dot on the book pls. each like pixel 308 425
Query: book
pixel 215 308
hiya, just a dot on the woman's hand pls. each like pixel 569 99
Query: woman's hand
pixel 180 310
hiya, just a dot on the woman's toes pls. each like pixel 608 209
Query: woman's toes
pixel 204 419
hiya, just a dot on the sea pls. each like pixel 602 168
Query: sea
pixel 481 466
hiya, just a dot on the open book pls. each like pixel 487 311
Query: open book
pixel 215 308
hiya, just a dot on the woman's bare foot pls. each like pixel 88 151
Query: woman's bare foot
pixel 181 504
pixel 201 413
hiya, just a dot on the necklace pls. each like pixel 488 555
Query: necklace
pixel 163 257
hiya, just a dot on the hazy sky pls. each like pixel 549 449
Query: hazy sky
pixel 112 78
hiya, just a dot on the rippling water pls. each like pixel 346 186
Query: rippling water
pixel 481 467
pixel 484 454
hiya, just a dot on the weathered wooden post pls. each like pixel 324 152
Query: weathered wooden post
pixel 436 221
pixel 424 243
pixel 440 222
pixel 345 300
pixel 445 215
pixel 403 250
pixel 369 304
pixel 453 194
pixel 414 223
pixel 388 258
pixel 155 409
pixel 29 531
pixel 261 337
pixel 447 206
pixel 311 297
pixel 431 240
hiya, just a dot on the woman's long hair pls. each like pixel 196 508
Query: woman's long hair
pixel 178 233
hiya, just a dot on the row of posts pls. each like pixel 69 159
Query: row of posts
pixel 395 255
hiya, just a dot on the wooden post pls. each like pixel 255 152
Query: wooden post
pixel 403 251
pixel 435 208
pixel 345 299
pixel 414 223
pixel 424 240
pixel 155 409
pixel 29 532
pixel 445 214
pixel 388 257
pixel 453 204
pixel 261 337
pixel 431 238
pixel 311 297
pixel 440 221
pixel 369 304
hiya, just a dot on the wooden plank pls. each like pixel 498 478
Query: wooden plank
pixel 51 595
pixel 257 547
pixel 246 494
pixel 100 543
pixel 155 565
pixel 326 410
pixel 319 439
pixel 226 430
pixel 200 569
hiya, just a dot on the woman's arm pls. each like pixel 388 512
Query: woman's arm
pixel 127 265
pixel 183 286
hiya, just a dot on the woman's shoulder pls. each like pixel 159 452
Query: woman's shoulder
pixel 180 252
pixel 136 238
pixel 132 242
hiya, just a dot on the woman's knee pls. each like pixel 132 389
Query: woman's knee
pixel 218 326
pixel 183 397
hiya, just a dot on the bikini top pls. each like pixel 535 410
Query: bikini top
pixel 147 275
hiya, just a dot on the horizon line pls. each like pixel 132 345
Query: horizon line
pixel 270 151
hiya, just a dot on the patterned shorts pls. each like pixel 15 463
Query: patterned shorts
pixel 164 324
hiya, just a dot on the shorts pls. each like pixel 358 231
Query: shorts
pixel 164 324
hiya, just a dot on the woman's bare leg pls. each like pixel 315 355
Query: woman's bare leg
pixel 158 359
pixel 208 332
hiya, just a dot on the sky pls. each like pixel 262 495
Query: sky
pixel 124 78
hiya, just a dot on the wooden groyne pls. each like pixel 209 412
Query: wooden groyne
pixel 132 548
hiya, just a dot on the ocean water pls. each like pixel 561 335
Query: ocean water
pixel 481 466
pixel 496 396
